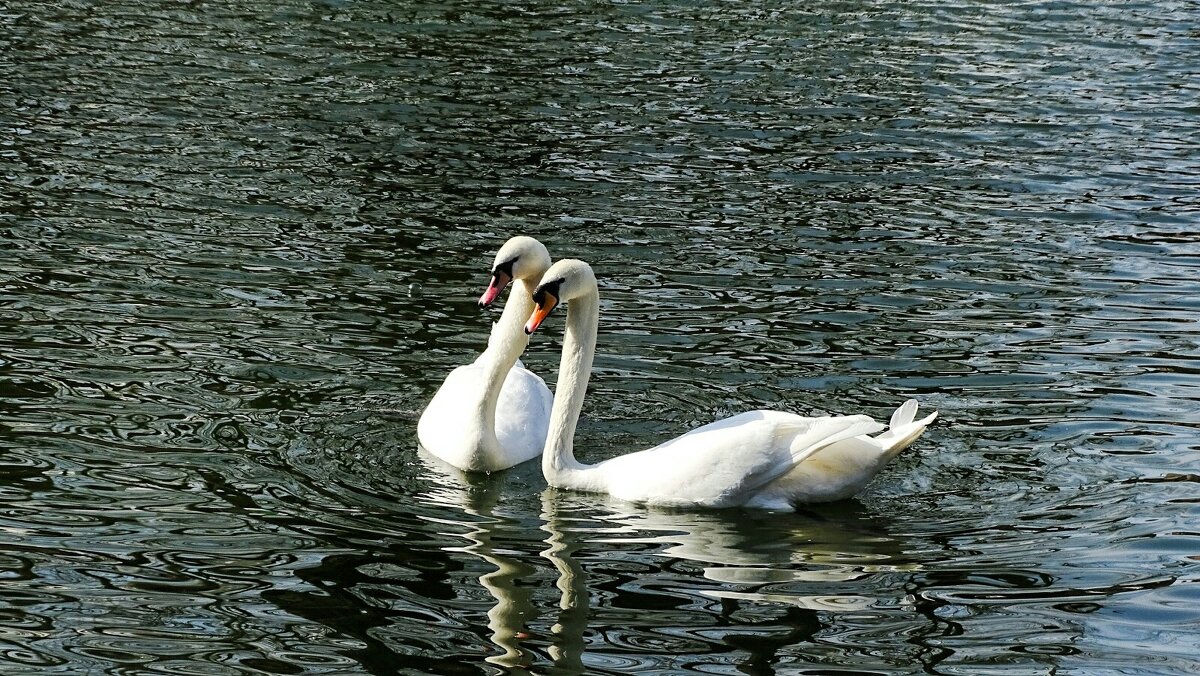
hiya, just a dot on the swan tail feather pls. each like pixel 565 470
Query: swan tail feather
pixel 904 414
pixel 903 429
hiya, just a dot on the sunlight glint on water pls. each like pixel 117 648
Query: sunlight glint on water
pixel 243 243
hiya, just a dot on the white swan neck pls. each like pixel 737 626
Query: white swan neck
pixel 579 346
pixel 505 345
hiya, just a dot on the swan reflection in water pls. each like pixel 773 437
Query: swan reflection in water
pixel 501 540
pixel 807 562
pixel 476 497
pixel 765 557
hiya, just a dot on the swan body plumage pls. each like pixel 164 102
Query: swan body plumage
pixel 493 413
pixel 451 427
pixel 761 459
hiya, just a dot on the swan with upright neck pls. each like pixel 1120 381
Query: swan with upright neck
pixel 493 413
pixel 762 459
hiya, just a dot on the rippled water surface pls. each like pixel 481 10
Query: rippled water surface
pixel 242 243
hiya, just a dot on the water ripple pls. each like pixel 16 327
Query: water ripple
pixel 243 247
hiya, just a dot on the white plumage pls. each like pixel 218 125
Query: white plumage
pixel 493 413
pixel 763 459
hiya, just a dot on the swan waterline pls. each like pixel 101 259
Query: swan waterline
pixel 493 413
pixel 761 459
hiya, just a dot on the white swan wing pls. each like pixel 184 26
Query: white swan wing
pixel 726 462
pixel 446 427
pixel 450 427
pixel 523 414
pixel 842 469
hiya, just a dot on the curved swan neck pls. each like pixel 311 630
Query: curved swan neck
pixel 579 346
pixel 508 335
pixel 505 345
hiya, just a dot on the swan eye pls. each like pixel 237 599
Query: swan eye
pixel 506 267
pixel 547 289
pixel 546 297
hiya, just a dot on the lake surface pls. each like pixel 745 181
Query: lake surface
pixel 242 243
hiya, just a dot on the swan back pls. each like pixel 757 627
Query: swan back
pixel 728 462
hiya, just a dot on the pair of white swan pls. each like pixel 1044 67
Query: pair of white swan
pixel 762 459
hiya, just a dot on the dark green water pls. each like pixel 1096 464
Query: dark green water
pixel 242 243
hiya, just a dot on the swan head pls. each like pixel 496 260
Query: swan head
pixel 522 258
pixel 564 281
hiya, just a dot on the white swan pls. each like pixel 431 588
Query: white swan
pixel 493 414
pixel 763 459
